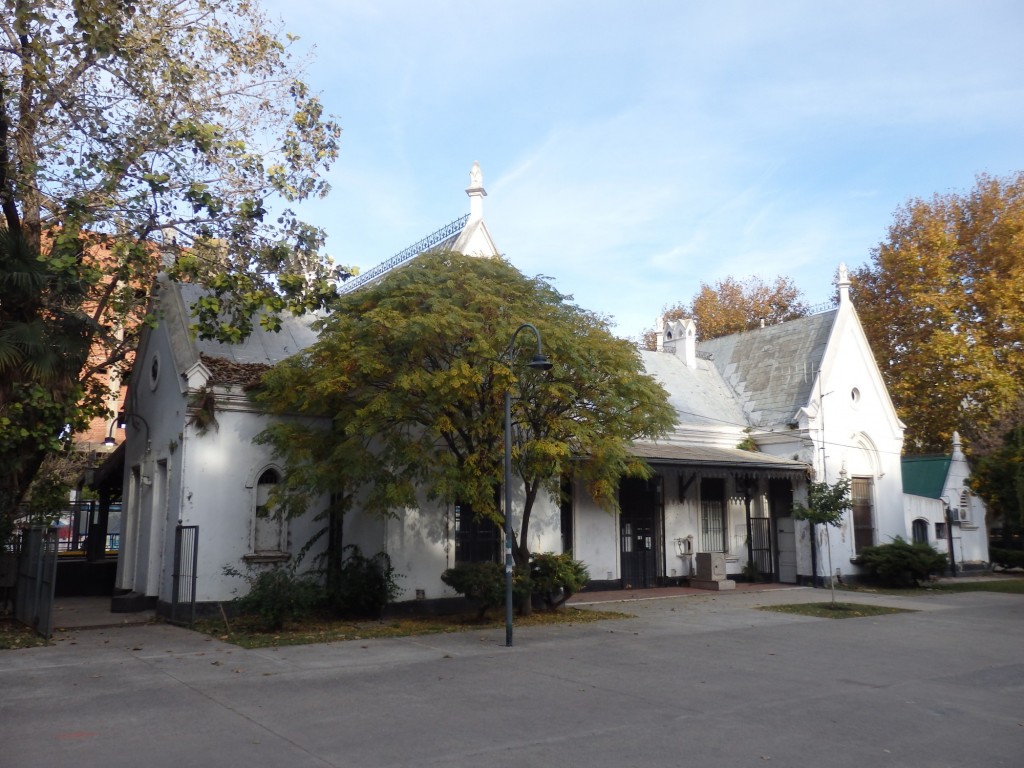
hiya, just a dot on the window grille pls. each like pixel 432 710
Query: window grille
pixel 863 512
pixel 712 515
pixel 920 531
pixel 477 539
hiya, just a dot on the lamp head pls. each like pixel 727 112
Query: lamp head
pixel 540 362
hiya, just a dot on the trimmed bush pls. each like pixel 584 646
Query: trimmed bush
pixel 1007 558
pixel 901 564
pixel 364 586
pixel 485 583
pixel 277 594
pixel 556 578
pixel 553 579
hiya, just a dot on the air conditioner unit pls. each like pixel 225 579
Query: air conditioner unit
pixel 954 514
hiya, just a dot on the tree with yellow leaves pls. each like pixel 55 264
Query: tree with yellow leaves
pixel 942 302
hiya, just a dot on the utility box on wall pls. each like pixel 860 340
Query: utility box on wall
pixel 711 572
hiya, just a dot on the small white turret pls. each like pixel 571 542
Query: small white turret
pixel 843 284
pixel 680 338
pixel 476 193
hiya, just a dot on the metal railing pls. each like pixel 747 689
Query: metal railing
pixel 403 256
pixel 73 527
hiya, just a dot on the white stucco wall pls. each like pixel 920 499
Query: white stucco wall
pixel 595 536
pixel 973 528
pixel 421 542
pixel 854 421
pixel 218 493
pixel 178 475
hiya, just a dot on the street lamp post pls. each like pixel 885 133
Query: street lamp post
pixel 540 362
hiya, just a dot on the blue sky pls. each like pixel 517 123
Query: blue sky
pixel 632 150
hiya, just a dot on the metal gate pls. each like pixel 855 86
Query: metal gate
pixel 37 578
pixel 761 547
pixel 183 579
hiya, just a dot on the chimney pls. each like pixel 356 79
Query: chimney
pixel 680 338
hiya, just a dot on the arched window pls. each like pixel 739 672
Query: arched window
pixel 269 529
pixel 920 531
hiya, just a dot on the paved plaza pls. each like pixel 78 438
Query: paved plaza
pixel 701 680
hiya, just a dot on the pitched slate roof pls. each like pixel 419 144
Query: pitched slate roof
pixel 925 475
pixel 700 395
pixel 772 370
pixel 261 347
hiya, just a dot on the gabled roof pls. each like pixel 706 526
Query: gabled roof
pixel 925 475
pixel 261 347
pixel 773 369
pixel 468 235
pixel 446 238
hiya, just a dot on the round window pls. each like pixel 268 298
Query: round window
pixel 154 371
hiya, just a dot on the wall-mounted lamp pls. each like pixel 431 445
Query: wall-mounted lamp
pixel 122 422
pixel 109 441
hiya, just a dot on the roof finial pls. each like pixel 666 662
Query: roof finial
pixel 843 284
pixel 476 192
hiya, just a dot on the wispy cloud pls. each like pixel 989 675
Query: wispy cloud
pixel 633 151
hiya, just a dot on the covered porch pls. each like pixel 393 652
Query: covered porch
pixel 708 517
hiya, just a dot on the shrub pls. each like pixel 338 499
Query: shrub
pixel 901 564
pixel 485 583
pixel 1007 558
pixel 277 594
pixel 552 579
pixel 364 585
pixel 556 578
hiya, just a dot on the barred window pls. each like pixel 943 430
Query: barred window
pixel 920 531
pixel 861 492
pixel 477 538
pixel 713 522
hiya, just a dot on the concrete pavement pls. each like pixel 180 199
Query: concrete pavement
pixel 690 680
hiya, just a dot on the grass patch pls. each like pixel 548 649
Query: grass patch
pixel 1010 586
pixel 16 635
pixel 834 610
pixel 1006 585
pixel 244 632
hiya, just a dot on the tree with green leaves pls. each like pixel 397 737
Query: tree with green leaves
pixel 827 504
pixel 942 303
pixel 136 137
pixel 998 477
pixel 731 305
pixel 407 384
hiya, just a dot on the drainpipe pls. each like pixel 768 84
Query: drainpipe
pixel 949 538
pixel 750 536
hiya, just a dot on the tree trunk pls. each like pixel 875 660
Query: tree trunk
pixel 521 552
pixel 335 547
